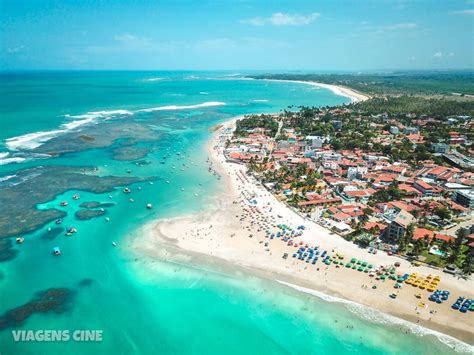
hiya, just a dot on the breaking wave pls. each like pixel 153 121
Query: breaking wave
pixel 175 107
pixel 34 140
pixel 379 317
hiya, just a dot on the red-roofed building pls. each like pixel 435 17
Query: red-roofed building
pixel 341 217
pixel 409 190
pixel 423 187
pixel 369 226
pixel 423 233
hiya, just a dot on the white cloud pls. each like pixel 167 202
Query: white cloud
pixel 438 54
pixel 238 44
pixel 469 12
pixel 129 43
pixel 451 54
pixel 281 19
pixel 399 26
pixel 15 49
pixel 133 41
pixel 215 44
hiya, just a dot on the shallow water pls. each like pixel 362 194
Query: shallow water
pixel 143 305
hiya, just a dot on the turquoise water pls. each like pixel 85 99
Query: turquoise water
pixel 143 305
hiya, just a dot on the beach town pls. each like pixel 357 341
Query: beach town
pixel 317 242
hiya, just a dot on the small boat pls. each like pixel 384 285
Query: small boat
pixel 131 200
pixel 20 240
pixel 139 187
pixel 70 231
pixel 126 190
pixel 63 203
pixel 114 244
pixel 59 221
pixel 167 181
pixel 149 206
pixel 107 219
pixel 56 251
pixel 49 229
pixel 182 189
pixel 76 197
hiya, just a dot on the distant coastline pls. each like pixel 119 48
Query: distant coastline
pixel 353 95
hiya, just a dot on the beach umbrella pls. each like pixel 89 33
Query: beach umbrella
pixel 348 265
pixel 353 260
pixel 364 264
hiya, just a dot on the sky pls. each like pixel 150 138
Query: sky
pixel 332 35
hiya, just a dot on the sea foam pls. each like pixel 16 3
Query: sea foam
pixel 189 107
pixel 7 177
pixel 34 140
pixel 379 317
pixel 11 160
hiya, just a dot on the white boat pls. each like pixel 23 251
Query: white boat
pixel 114 244
pixel 149 206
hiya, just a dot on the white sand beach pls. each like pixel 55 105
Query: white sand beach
pixel 353 95
pixel 232 234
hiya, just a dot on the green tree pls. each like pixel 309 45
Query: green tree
pixel 461 234
pixel 468 263
pixel 442 212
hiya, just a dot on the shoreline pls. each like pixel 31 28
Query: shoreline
pixel 353 95
pixel 204 236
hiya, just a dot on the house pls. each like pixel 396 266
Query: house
pixel 370 226
pixel 341 217
pixel 429 235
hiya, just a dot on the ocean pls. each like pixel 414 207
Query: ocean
pixel 66 133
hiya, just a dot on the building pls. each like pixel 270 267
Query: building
pixel 394 130
pixel 399 225
pixel 356 172
pixel 464 198
pixel 337 124
pixel 318 141
pixel 440 148
pixel 425 188
pixel 411 130
pixel 459 160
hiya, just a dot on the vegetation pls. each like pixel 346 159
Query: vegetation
pixel 250 122
pixel 394 83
